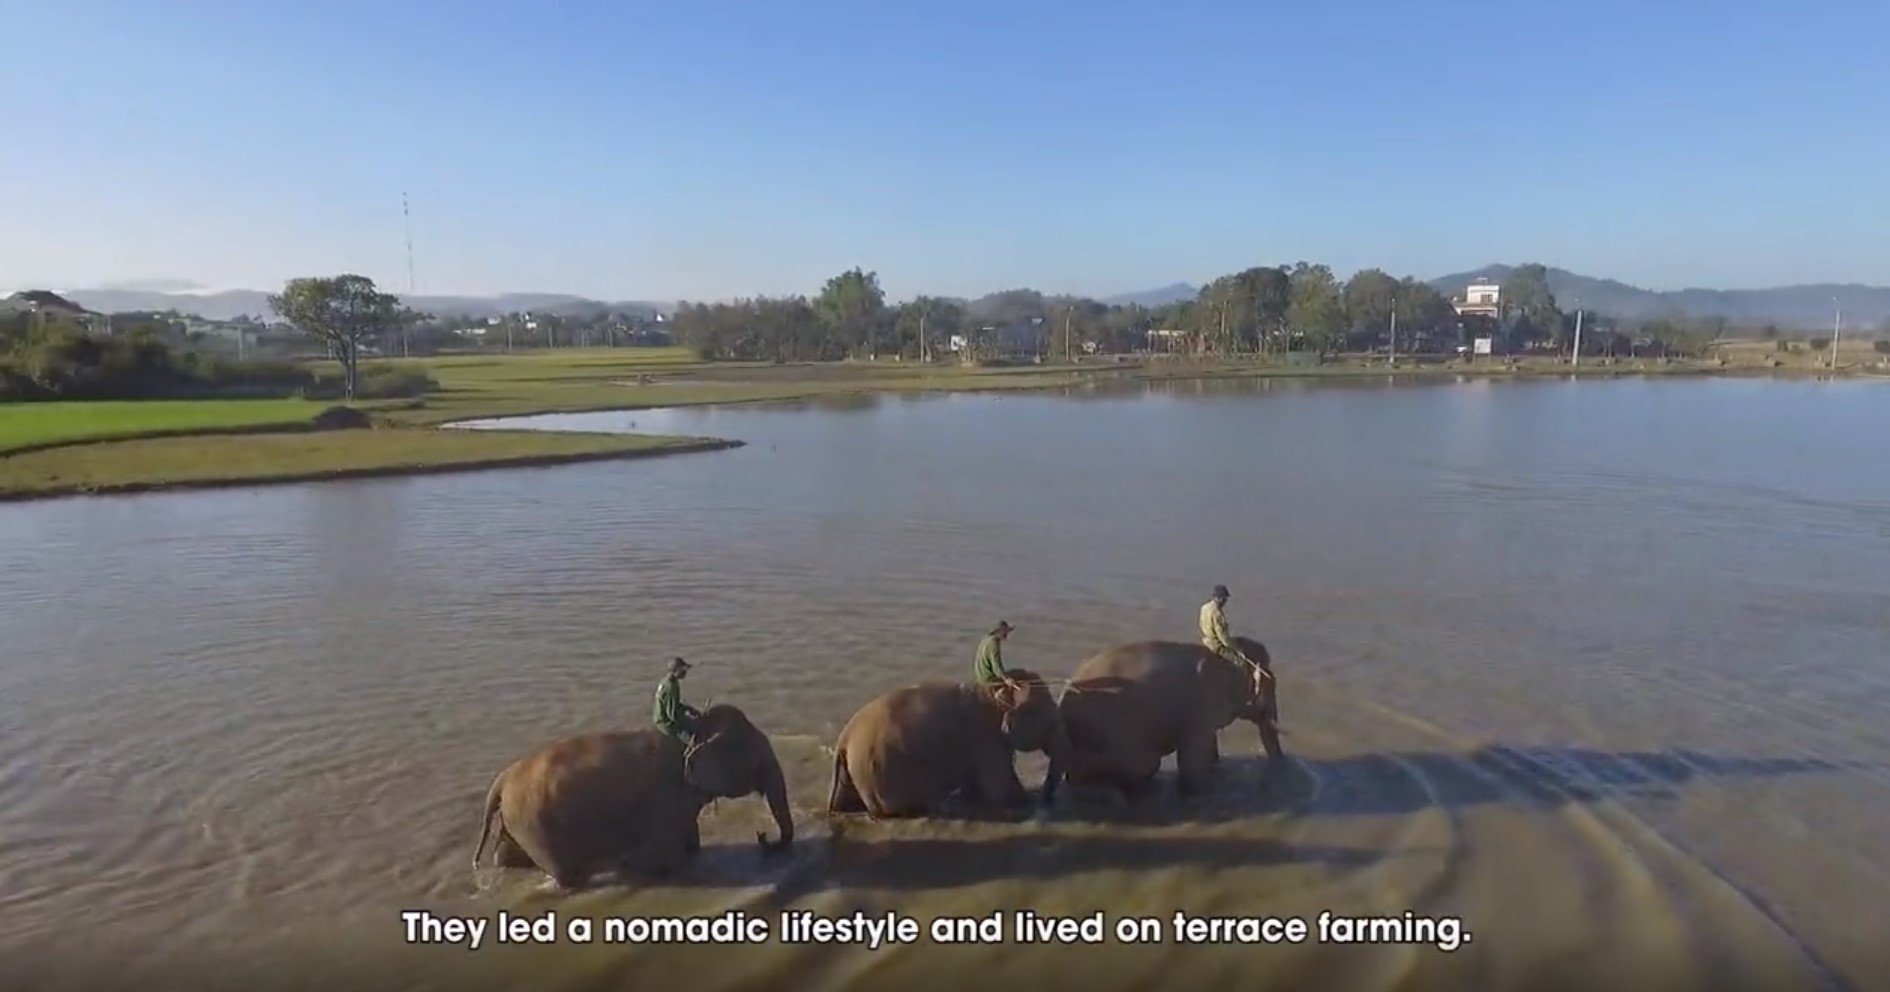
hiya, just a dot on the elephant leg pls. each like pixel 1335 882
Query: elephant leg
pixel 1134 787
pixel 845 795
pixel 1059 767
pixel 1194 761
pixel 660 851
pixel 568 878
pixel 508 854
pixel 567 875
pixel 997 782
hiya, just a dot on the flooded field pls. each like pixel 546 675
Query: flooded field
pixel 1599 668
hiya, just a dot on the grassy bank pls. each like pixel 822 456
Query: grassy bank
pixel 187 462
pixel 29 425
pixel 620 379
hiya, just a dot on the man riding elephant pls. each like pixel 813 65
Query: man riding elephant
pixel 1218 638
pixel 672 716
pixel 988 664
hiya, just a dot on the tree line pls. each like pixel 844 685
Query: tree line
pixel 1260 311
pixel 55 353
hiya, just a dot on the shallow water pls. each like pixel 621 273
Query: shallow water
pixel 1599 668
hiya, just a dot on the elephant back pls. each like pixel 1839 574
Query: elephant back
pixel 1153 680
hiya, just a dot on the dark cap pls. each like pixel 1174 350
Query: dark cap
pixel 677 666
pixel 1221 591
pixel 1002 625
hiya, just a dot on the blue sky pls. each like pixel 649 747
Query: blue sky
pixel 699 150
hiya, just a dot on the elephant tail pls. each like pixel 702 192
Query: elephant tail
pixel 485 819
pixel 844 798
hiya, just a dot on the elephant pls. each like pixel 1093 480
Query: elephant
pixel 909 750
pixel 1133 704
pixel 629 800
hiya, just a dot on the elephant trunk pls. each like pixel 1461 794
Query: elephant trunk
pixel 774 790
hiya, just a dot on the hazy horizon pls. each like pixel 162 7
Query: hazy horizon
pixel 743 150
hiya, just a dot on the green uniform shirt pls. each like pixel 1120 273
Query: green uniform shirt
pixel 989 666
pixel 669 706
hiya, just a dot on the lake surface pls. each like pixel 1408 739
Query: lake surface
pixel 1600 668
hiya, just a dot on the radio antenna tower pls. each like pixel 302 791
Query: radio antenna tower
pixel 406 216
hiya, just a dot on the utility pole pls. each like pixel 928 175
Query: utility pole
pixel 924 354
pixel 1837 328
pixel 1575 359
pixel 1069 345
pixel 1392 358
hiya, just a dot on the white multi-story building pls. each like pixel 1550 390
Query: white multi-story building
pixel 1481 297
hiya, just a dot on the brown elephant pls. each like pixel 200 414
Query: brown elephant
pixel 907 751
pixel 1134 704
pixel 629 801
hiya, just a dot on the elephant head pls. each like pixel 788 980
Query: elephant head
pixel 1248 688
pixel 1031 719
pixel 731 757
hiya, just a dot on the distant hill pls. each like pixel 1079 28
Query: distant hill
pixel 1806 307
pixel 41 300
pixel 234 303
pixel 1173 293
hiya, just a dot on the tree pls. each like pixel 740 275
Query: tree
pixel 1272 295
pixel 1426 320
pixel 1225 304
pixel 1316 309
pixel 1370 297
pixel 343 311
pixel 851 305
pixel 922 322
pixel 1529 310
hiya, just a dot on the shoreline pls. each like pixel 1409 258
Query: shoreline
pixel 763 384
pixel 1143 374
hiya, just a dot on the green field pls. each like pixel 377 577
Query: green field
pixel 157 463
pixel 25 425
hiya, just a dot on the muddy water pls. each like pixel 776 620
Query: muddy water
pixel 1598 668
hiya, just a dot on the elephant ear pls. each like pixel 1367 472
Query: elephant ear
pixel 706 764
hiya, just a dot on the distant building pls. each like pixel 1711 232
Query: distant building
pixel 1482 298
pixel 1167 339
pixel 1016 339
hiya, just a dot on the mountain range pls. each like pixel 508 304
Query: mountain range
pixel 232 303
pixel 1802 307
pixel 1809 306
